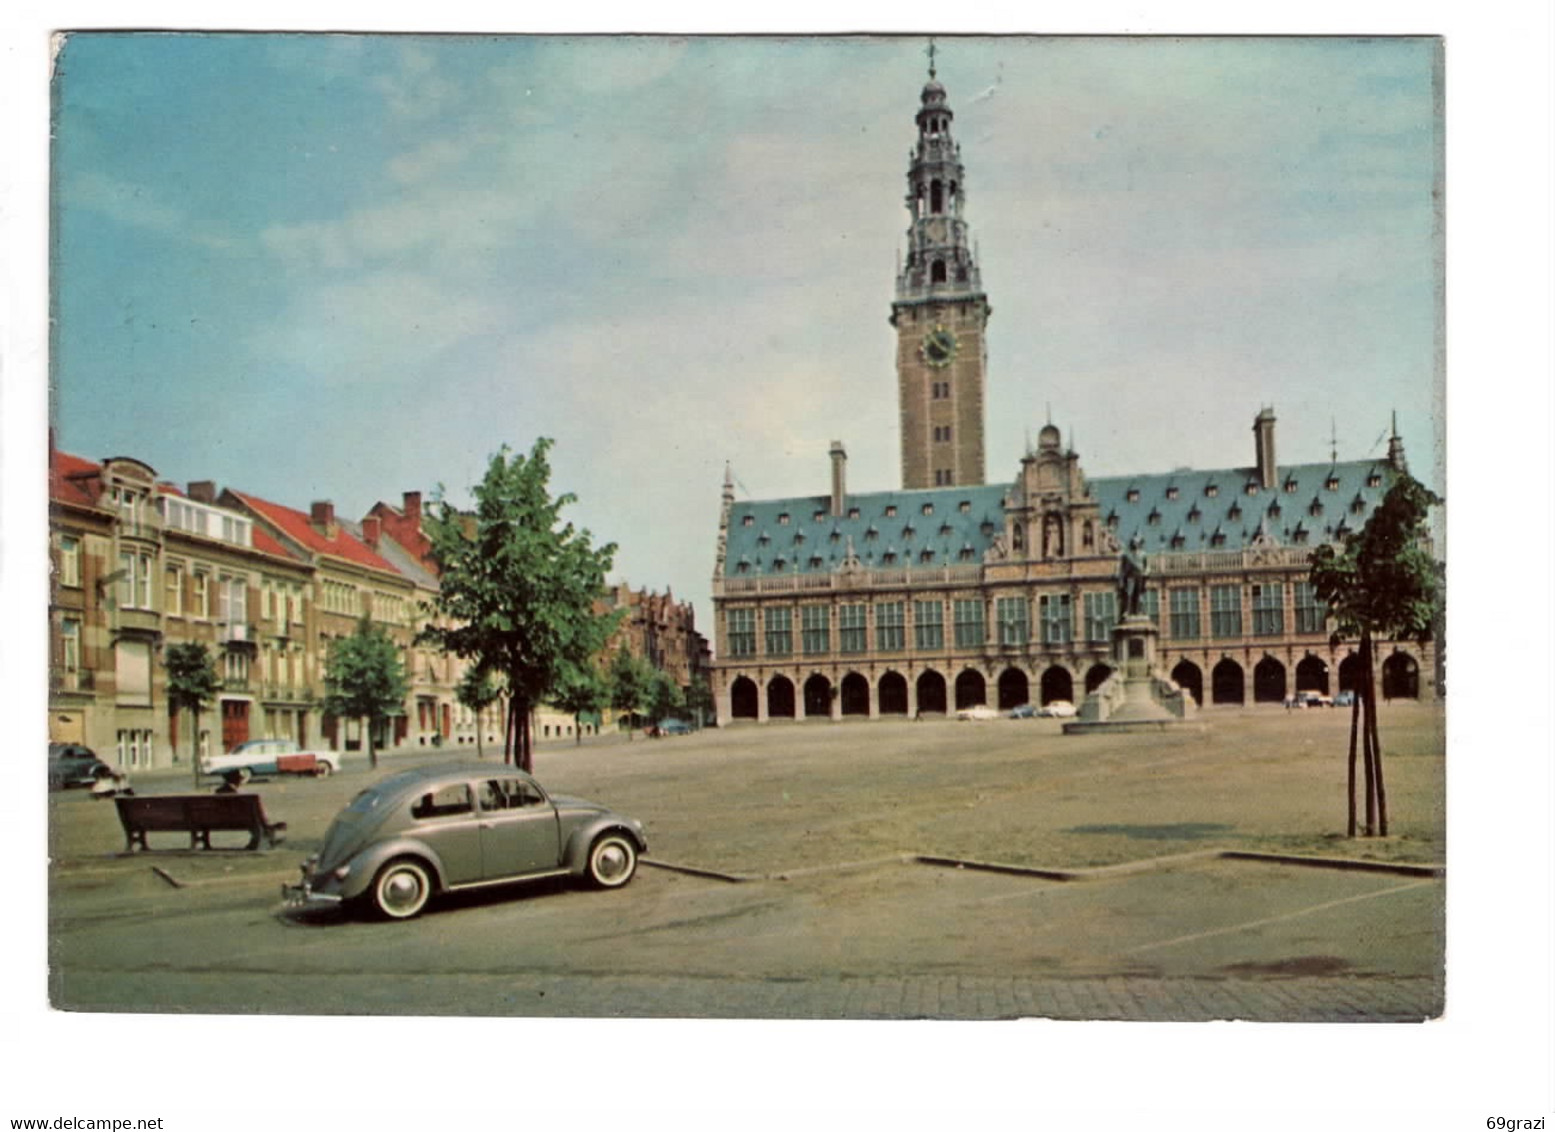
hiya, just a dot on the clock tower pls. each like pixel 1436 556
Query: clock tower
pixel 940 313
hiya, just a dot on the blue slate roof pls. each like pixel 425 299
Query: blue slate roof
pixel 1182 510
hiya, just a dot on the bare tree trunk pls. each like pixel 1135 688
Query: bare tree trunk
pixel 367 734
pixel 526 741
pixel 510 733
pixel 577 731
pixel 1368 724
pixel 1376 756
pixel 1355 718
pixel 194 747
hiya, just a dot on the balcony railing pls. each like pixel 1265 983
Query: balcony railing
pixel 72 680
pixel 898 577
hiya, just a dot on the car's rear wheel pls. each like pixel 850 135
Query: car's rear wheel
pixel 612 860
pixel 243 774
pixel 322 769
pixel 402 889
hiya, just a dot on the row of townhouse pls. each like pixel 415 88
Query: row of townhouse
pixel 140 564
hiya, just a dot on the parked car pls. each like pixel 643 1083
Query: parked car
pixel 673 727
pixel 441 829
pixel 1344 699
pixel 1057 709
pixel 977 712
pixel 271 756
pixel 1025 711
pixel 72 765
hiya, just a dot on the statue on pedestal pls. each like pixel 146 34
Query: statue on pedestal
pixel 1131 583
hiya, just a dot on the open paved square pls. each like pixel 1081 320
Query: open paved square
pixel 934 869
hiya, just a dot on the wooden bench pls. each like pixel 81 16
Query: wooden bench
pixel 198 815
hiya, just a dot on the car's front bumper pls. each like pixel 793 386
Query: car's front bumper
pixel 304 896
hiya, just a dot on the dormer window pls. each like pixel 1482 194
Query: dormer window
pixel 871 535
pixel 1235 513
pixel 1299 536
pixel 815 562
pixel 1154 518
pixel 890 511
pixel 748 521
pixel 798 538
pixel 908 532
pixel 853 512
pixel 965 507
pixel 1211 490
pixel 926 556
pixel 1374 480
pixel 783 519
pixel 1171 493
pixel 1133 495
pixel 888 558
pixel 1357 506
pixel 1218 539
pixel 836 536
pixel 967 554
pixel 742 567
pixel 928 508
pixel 1274 510
pixel 1290 487
pixel 1252 487
pixel 1316 508
pixel 1194 515
pixel 778 563
pixel 820 516
pixel 1178 541
pixel 1112 520
pixel 763 538
pixel 986 528
pixel 1332 483
pixel 944 530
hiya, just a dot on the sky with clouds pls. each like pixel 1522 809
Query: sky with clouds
pixel 343 267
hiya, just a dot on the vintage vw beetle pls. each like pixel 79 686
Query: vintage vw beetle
pixel 448 828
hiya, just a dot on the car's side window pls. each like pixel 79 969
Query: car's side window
pixel 447 801
pixel 508 794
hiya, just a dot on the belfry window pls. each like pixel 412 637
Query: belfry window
pixel 936 197
pixel 937 271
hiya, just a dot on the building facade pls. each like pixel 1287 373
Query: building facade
pixel 952 592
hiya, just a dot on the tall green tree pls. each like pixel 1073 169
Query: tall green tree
pixel 630 685
pixel 519 588
pixel 581 691
pixel 191 684
pixel 478 691
pixel 665 698
pixel 1382 583
pixel 699 700
pixel 364 678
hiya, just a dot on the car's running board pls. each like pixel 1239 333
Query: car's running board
pixel 507 880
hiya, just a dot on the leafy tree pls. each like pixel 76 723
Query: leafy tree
pixel 518 587
pixel 699 700
pixel 665 699
pixel 477 691
pixel 1382 583
pixel 364 678
pixel 630 685
pixel 581 691
pixel 191 684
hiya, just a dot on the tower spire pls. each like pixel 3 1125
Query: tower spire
pixel 930 52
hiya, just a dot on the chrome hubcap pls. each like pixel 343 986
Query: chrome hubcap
pixel 610 861
pixel 402 890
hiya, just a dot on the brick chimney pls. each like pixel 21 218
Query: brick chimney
pixel 372 527
pixel 412 508
pixel 202 491
pixel 323 517
pixel 1263 431
pixel 839 478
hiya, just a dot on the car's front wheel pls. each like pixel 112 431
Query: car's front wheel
pixel 612 860
pixel 322 769
pixel 402 889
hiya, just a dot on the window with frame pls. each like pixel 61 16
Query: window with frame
pixel 815 625
pixel 202 594
pixel 928 619
pixel 779 623
pixel 890 626
pixel 742 632
pixel 135 579
pixel 1268 609
pixel 70 644
pixel 1225 611
pixel 1150 604
pixel 1184 614
pixel 851 628
pixel 1311 614
pixel 69 561
pixel 234 667
pixel 1014 617
pixel 173 589
pixel 1101 615
pixel 970 628
pixel 1057 615
pixel 232 598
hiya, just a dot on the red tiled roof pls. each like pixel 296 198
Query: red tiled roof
pixel 69 476
pixel 298 526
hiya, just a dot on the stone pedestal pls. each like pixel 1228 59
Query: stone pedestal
pixel 1133 698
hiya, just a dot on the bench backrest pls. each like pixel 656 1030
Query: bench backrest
pixel 186 811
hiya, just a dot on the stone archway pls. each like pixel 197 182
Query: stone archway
pixel 1400 677
pixel 743 698
pixel 971 689
pixel 1014 689
pixel 1312 675
pixel 1226 684
pixel 855 694
pixel 892 692
pixel 931 694
pixel 1095 676
pixel 1190 678
pixel 1057 684
pixel 1268 681
pixel 1350 674
pixel 780 698
pixel 817 697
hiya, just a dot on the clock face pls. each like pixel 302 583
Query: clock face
pixel 939 346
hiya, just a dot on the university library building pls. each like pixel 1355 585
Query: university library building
pixel 953 592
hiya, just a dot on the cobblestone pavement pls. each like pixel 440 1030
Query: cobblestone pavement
pixel 1122 998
